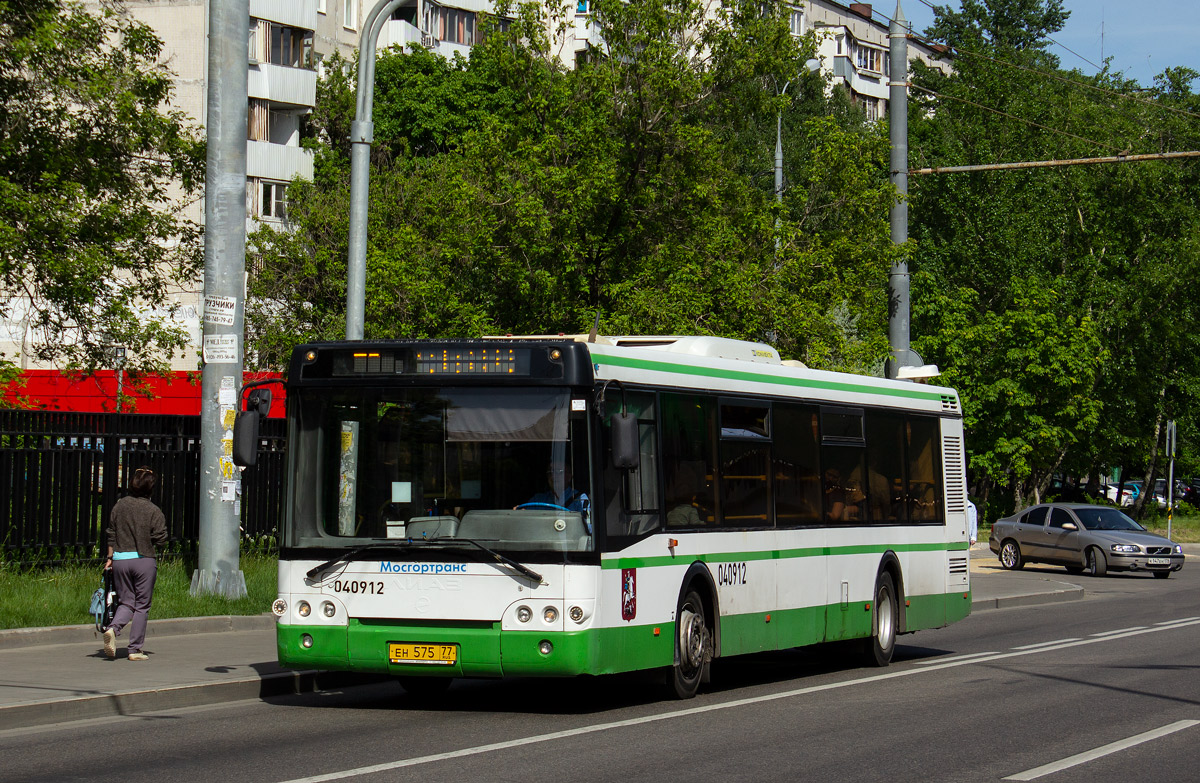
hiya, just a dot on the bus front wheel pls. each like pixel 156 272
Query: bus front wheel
pixel 878 648
pixel 693 646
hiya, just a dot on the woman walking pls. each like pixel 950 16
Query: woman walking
pixel 135 527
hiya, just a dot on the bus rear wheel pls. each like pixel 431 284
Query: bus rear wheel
pixel 693 645
pixel 878 648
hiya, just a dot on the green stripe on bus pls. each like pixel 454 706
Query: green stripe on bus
pixel 779 554
pixel 742 375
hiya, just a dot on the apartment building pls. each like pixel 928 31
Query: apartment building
pixel 854 49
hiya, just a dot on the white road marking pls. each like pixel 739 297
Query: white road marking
pixel 1044 644
pixel 936 661
pixel 1181 620
pixel 1122 630
pixel 599 727
pixel 1103 750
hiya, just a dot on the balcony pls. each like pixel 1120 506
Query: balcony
pixel 277 161
pixel 295 13
pixel 396 32
pixel 281 84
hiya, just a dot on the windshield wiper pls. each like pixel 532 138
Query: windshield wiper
pixel 499 558
pixel 350 554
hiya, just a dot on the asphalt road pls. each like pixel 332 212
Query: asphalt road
pixel 1099 689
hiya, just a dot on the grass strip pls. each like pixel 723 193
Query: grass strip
pixel 38 597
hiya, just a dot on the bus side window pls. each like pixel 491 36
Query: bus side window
pixel 796 466
pixel 885 467
pixel 631 496
pixel 844 464
pixel 924 470
pixel 689 464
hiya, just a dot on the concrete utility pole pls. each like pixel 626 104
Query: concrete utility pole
pixel 224 299
pixel 898 303
pixel 362 134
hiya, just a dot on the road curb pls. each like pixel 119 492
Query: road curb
pixel 130 703
pixel 13 638
pixel 1067 593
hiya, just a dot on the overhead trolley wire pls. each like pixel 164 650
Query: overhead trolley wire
pixel 1048 38
pixel 1096 88
pixel 1015 117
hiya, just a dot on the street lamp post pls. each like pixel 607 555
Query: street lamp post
pixel 812 66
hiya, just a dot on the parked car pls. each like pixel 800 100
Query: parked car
pixel 1129 492
pixel 1096 539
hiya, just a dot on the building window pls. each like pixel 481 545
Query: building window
pixel 280 45
pixel 797 22
pixel 869 59
pixel 271 203
pixel 583 7
pixel 350 14
pixel 290 46
pixel 870 107
pixel 322 6
pixel 452 25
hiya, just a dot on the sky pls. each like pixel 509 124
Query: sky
pixel 1143 38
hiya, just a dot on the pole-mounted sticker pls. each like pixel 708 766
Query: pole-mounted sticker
pixel 220 349
pixel 220 310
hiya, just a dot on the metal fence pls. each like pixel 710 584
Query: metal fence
pixel 61 473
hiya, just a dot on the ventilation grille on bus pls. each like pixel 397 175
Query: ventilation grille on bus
pixel 956 476
pixel 949 402
pixel 958 566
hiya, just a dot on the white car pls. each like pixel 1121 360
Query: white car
pixel 1130 493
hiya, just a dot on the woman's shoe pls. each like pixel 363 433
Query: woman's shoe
pixel 138 656
pixel 110 643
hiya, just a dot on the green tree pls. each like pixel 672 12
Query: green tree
pixel 1062 301
pixel 91 239
pixel 511 193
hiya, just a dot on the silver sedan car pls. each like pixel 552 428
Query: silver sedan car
pixel 1095 539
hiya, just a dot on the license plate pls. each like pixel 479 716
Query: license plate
pixel 1158 561
pixel 419 652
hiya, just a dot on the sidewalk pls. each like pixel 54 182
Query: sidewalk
pixel 53 675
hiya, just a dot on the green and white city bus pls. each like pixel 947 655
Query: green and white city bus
pixel 558 506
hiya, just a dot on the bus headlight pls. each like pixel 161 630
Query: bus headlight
pixel 576 613
pixel 279 608
pixel 305 641
pixel 550 614
pixel 544 647
pixel 303 609
pixel 328 609
pixel 524 614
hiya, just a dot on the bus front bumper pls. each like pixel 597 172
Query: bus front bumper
pixel 481 650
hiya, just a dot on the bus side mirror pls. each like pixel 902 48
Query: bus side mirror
pixel 626 452
pixel 246 427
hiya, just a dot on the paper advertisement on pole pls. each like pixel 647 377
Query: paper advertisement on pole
pixel 220 349
pixel 220 310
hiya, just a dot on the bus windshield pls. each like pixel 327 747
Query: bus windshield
pixel 507 468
